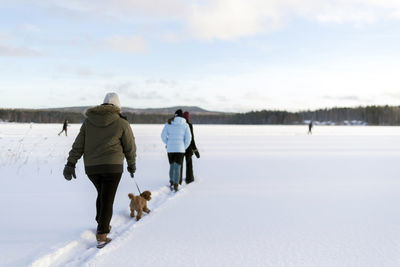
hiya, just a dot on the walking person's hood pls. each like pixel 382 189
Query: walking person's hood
pixel 178 120
pixel 103 115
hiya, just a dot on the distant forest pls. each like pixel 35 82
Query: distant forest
pixel 370 115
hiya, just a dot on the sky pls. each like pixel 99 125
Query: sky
pixel 221 55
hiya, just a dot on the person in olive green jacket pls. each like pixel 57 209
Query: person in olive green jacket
pixel 104 140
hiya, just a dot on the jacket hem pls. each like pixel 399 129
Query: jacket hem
pixel 104 168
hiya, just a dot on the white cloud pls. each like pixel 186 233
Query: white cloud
pixel 127 44
pixel 173 37
pixel 344 98
pixel 30 28
pixel 254 96
pixel 117 8
pixel 393 95
pixel 231 19
pixel 81 71
pixel 18 51
pixel 9 49
pixel 303 87
pixel 4 37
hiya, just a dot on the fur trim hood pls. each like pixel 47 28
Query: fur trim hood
pixel 103 115
pixel 178 120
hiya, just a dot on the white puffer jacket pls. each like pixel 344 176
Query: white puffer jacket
pixel 176 135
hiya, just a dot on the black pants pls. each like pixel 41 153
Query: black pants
pixel 189 168
pixel 106 186
pixel 63 131
pixel 176 157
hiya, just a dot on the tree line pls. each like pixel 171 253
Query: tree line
pixel 371 115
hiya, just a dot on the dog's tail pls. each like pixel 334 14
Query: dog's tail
pixel 130 195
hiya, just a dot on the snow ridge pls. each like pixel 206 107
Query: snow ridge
pixel 83 251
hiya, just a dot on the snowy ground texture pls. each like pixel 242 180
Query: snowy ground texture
pixel 263 196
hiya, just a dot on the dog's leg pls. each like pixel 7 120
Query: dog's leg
pixel 145 209
pixel 139 215
pixel 132 213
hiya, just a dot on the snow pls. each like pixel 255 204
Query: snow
pixel 263 196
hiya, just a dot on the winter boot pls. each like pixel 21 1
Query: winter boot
pixel 175 187
pixel 102 240
pixel 189 180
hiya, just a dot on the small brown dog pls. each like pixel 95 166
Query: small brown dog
pixel 139 203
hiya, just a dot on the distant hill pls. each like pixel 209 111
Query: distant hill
pixel 369 115
pixel 164 111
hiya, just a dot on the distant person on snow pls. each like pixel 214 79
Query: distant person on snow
pixel 65 126
pixel 176 135
pixel 189 153
pixel 310 125
pixel 105 138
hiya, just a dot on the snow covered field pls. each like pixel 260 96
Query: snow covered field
pixel 263 196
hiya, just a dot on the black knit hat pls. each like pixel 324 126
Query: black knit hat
pixel 178 113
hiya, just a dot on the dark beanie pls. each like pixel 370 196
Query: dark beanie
pixel 178 113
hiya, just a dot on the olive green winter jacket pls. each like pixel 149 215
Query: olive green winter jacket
pixel 105 138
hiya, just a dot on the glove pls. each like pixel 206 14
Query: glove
pixel 196 152
pixel 131 169
pixel 69 171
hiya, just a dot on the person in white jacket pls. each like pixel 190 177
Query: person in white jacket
pixel 176 135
